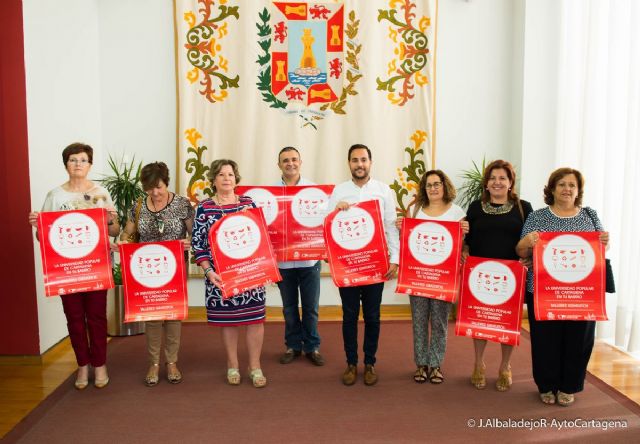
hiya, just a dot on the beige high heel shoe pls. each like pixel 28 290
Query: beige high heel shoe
pixel 82 383
pixel 101 383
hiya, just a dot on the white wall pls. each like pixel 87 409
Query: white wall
pixel 63 106
pixel 137 80
pixel 539 97
pixel 474 83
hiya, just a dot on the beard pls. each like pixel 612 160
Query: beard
pixel 359 173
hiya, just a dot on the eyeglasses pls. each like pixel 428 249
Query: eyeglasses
pixel 78 161
pixel 434 185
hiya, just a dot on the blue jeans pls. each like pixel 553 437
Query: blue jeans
pixel 371 296
pixel 301 334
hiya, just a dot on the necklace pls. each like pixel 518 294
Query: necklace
pixel 159 220
pixel 218 201
pixel 502 209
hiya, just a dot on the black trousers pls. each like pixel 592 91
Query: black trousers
pixel 371 297
pixel 560 352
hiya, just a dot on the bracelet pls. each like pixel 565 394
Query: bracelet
pixel 207 270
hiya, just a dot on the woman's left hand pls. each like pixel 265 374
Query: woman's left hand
pixel 33 219
pixel 465 226
pixel 527 262
pixel 186 244
pixel 113 214
pixel 392 272
pixel 604 238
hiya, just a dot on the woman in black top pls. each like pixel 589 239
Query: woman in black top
pixel 495 224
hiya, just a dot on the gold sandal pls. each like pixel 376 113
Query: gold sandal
pixel 478 378
pixel 504 381
pixel 257 378
pixel 420 376
pixel 548 398
pixel 436 376
pixel 173 373
pixel 152 375
pixel 565 399
pixel 233 376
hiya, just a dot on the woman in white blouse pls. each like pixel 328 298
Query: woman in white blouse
pixel 433 202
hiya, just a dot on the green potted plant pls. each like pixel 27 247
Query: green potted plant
pixel 471 188
pixel 123 184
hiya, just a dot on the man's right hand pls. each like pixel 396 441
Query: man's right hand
pixel 342 205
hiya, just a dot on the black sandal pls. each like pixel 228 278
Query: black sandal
pixel 420 376
pixel 435 376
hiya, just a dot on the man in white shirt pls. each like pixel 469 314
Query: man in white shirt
pixel 303 276
pixel 361 188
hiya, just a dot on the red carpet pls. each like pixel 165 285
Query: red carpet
pixel 304 403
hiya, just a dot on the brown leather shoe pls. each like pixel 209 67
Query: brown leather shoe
pixel 370 375
pixel 350 375
pixel 316 358
pixel 289 356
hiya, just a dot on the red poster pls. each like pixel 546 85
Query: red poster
pixel 568 277
pixel 75 251
pixel 270 199
pixel 306 208
pixel 155 281
pixel 356 245
pixel 294 217
pixel 430 259
pixel 490 305
pixel 242 252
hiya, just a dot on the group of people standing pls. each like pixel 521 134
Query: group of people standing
pixel 499 225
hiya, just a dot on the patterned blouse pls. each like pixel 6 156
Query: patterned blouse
pixel 171 220
pixel 207 214
pixel 545 220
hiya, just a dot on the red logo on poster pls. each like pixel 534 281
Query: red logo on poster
pixel 490 305
pixel 430 259
pixel 75 251
pixel 155 282
pixel 356 245
pixel 294 217
pixel 242 252
pixel 569 277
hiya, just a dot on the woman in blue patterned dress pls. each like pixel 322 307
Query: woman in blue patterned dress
pixel 247 308
pixel 560 350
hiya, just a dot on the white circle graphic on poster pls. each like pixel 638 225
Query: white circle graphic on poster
pixel 265 200
pixel 430 243
pixel 568 258
pixel 153 265
pixel 74 235
pixel 352 229
pixel 492 283
pixel 238 237
pixel 309 207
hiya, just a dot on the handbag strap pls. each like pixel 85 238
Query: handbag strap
pixel 137 213
pixel 593 221
pixel 520 209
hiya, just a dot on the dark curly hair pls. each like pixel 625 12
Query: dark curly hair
pixel 422 199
